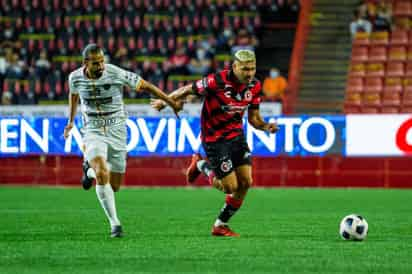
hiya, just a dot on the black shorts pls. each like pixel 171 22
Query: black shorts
pixel 226 155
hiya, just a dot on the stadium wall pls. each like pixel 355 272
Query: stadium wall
pixel 313 151
pixel 329 171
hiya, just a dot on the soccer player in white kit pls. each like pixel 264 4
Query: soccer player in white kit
pixel 99 87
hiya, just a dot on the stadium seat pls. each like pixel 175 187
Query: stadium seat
pixel 373 85
pixel 402 8
pixel 377 53
pixel 407 99
pixel 375 69
pixel 371 99
pixel 361 39
pixel 393 84
pixel 353 99
pixel 395 69
pixel 379 38
pixel 357 69
pixel 360 53
pixel 355 84
pixel 399 37
pixel 408 69
pixel 390 109
pixel 407 84
pixel 397 53
pixel 406 109
pixel 370 109
pixel 391 99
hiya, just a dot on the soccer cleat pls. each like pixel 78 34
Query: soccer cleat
pixel 192 172
pixel 223 230
pixel 117 232
pixel 86 181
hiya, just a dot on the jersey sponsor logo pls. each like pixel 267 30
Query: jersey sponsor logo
pixel 248 95
pixel 226 166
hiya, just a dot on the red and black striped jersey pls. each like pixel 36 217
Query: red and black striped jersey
pixel 225 102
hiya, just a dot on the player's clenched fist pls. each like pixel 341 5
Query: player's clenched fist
pixel 271 127
pixel 157 104
pixel 67 130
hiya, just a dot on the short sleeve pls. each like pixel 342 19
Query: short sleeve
pixel 72 88
pixel 203 86
pixel 128 78
pixel 257 96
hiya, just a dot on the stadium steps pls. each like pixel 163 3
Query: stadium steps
pixel 326 58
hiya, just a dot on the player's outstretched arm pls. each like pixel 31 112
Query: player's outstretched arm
pixel 179 95
pixel 257 121
pixel 174 104
pixel 73 102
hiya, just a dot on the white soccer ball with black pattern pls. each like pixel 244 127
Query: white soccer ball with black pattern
pixel 353 227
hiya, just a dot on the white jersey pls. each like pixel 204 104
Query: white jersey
pixel 102 96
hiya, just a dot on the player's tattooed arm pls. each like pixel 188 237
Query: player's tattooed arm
pixel 179 94
pixel 73 102
pixel 174 104
pixel 257 121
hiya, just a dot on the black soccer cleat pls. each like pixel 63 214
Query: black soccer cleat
pixel 86 181
pixel 117 232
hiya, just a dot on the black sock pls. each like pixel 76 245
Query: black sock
pixel 230 208
pixel 227 212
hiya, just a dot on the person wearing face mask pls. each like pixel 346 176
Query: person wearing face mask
pixel 359 24
pixel 274 86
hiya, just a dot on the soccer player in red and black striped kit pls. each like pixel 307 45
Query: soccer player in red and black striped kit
pixel 227 95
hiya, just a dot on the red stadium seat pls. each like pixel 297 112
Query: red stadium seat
pixel 375 69
pixel 361 39
pixel 355 84
pixel 391 99
pixel 379 38
pixel 397 53
pixel 407 85
pixel 399 37
pixel 408 70
pixel 389 109
pixel 353 102
pixel 395 69
pixel 357 69
pixel 360 53
pixel 407 99
pixel 371 99
pixel 377 53
pixel 402 8
pixel 393 84
pixel 370 109
pixel 406 109
pixel 373 85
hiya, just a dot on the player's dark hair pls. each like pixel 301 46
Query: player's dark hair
pixel 91 49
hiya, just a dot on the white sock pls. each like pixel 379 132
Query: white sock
pixel 105 195
pixel 91 174
pixel 219 223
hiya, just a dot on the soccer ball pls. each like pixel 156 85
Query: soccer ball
pixel 353 227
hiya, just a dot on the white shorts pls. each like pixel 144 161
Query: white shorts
pixel 109 143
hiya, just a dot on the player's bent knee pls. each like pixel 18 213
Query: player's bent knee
pixel 230 188
pixel 102 176
pixel 115 188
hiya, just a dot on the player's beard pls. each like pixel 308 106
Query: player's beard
pixel 96 74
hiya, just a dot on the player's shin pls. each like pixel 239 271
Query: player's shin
pixel 229 209
pixel 106 198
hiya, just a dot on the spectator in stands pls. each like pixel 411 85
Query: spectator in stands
pixel 244 40
pixel 274 86
pixel 201 60
pixel 6 98
pixel 383 19
pixel 178 61
pixel 42 66
pixel 359 24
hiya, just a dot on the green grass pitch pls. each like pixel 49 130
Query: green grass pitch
pixel 64 230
